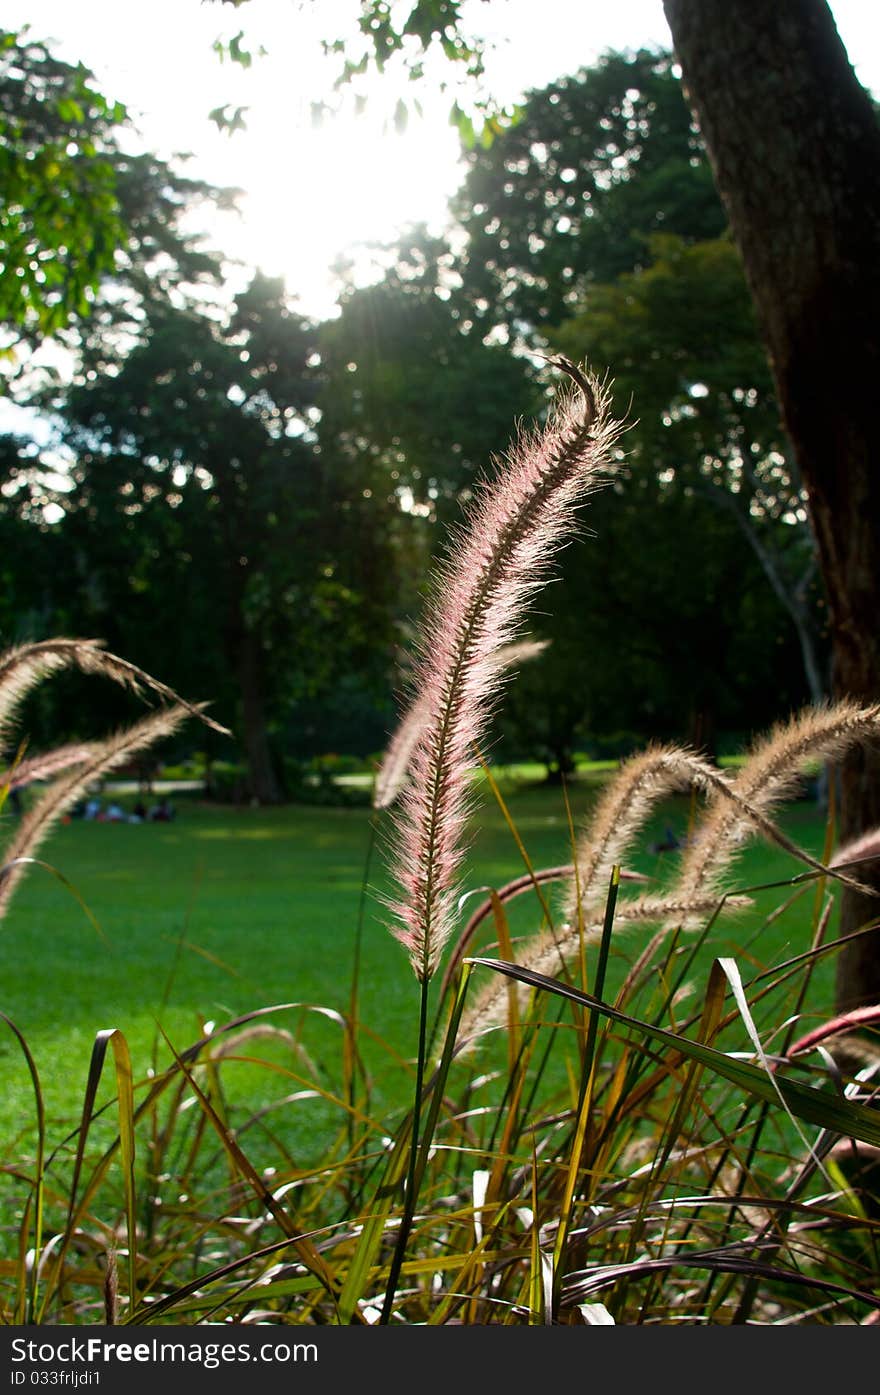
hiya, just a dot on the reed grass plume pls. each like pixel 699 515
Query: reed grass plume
pixel 772 771
pixel 394 767
pixel 737 807
pixel 625 803
pixel 72 767
pixel 512 532
pixel 46 764
pixel 25 665
pixel 105 756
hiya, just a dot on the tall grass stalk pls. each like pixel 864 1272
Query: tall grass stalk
pixel 25 1311
pixel 503 554
pixel 585 1097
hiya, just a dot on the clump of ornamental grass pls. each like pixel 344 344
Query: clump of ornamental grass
pixel 688 1163
pixel 482 594
pixel 774 1247
pixel 179 1213
pixel 675 1189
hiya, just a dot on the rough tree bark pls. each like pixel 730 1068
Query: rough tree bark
pixel 794 142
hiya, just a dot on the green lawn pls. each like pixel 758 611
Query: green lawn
pixel 227 910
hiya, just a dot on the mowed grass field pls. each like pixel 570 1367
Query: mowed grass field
pixel 158 929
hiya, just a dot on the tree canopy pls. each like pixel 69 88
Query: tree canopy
pixel 62 220
pixel 90 227
pixel 200 492
pixel 595 165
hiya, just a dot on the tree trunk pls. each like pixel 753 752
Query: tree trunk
pixel 795 147
pixel 561 764
pixel 264 782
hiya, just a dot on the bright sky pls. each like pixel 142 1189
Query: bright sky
pixel 312 194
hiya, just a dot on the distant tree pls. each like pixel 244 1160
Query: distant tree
pixel 688 361
pixel 569 195
pixel 210 528
pixel 795 146
pixel 32 553
pixel 412 386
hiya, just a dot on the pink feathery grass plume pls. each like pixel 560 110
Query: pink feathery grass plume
pixel 46 764
pixel 394 768
pixel 865 848
pixel 99 758
pixel 771 773
pixel 639 784
pixel 25 665
pixel 511 534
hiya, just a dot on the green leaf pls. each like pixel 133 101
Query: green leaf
pixel 459 118
pixel 110 1036
pixel 27 1303
pixel 69 110
pixel 238 53
pixel 229 118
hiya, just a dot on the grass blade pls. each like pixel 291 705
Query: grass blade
pixel 813 1105
pixel 125 1104
pixel 27 1301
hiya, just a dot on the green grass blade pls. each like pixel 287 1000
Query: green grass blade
pixel 585 1098
pixel 731 971
pixel 813 1105
pixel 27 1302
pixel 508 819
pixel 125 1104
pixel 357 1277
pixel 305 1249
